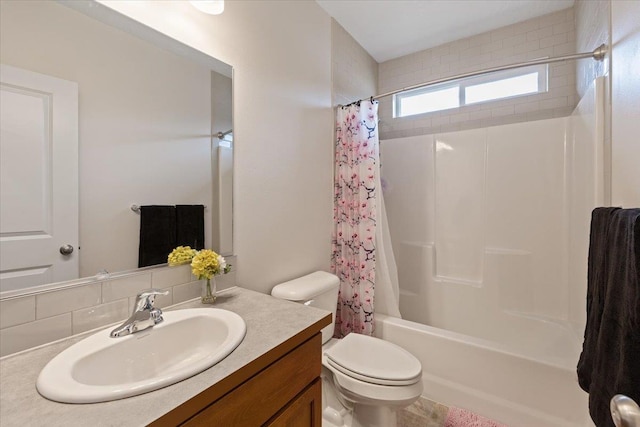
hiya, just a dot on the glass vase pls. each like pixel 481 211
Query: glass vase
pixel 209 291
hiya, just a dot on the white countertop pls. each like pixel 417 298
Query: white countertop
pixel 270 322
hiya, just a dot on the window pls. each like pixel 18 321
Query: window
pixel 431 100
pixel 473 90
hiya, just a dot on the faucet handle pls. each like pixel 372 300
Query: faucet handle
pixel 145 299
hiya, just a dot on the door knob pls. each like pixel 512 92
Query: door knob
pixel 66 250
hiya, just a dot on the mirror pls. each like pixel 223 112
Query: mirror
pixel 154 126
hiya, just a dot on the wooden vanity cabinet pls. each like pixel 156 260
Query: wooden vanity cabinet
pixel 303 411
pixel 281 388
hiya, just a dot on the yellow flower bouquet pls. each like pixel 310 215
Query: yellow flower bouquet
pixel 205 264
pixel 181 255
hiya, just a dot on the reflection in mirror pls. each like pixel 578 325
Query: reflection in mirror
pixel 146 112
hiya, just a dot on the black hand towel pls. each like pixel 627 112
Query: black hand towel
pixel 615 357
pixel 190 226
pixel 157 234
pixel 596 287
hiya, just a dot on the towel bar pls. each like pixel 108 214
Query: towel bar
pixel 136 208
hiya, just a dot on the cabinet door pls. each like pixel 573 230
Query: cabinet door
pixel 261 398
pixel 304 411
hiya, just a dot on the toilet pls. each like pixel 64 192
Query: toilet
pixel 364 379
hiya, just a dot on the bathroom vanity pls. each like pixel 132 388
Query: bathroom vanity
pixel 271 378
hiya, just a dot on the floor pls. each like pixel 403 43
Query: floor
pixel 423 413
pixel 427 413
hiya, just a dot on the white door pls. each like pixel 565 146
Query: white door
pixel 38 179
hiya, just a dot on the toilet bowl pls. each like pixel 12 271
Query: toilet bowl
pixel 364 379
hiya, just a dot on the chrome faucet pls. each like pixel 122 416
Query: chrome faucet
pixel 144 316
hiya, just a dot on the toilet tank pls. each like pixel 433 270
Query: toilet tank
pixel 318 289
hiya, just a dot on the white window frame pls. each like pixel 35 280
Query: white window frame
pixel 543 86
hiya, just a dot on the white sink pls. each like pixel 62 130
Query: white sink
pixel 100 368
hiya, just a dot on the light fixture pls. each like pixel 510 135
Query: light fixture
pixel 212 7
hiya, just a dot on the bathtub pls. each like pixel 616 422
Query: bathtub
pixel 492 379
pixel 490 233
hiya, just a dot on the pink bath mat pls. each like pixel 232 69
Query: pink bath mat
pixel 458 417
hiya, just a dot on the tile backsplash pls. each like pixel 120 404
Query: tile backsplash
pixel 32 320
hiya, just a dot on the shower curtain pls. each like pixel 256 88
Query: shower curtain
pixel 358 257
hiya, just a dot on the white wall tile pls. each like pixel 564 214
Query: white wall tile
pixel 592 29
pixel 540 33
pixel 548 35
pixel 526 107
pixel 480 39
pixel 161 301
pixel 66 300
pixel 477 115
pixel 564 27
pixel 187 291
pixel 558 81
pixel 514 40
pixel 126 287
pixel 349 59
pixel 83 309
pixel 21 337
pixel 169 276
pixel 100 315
pixel 17 311
pixel 502 111
pixel 553 103
pixel 226 280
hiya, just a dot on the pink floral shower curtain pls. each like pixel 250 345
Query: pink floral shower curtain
pixel 354 215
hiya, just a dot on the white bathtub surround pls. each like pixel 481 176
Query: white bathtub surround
pixel 489 379
pixel 490 230
pixel 387 300
pixel 47 315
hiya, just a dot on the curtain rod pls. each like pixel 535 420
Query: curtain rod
pixel 598 54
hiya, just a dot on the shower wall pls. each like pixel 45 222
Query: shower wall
pixel 490 229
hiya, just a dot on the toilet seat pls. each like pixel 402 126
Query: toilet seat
pixel 363 392
pixel 374 361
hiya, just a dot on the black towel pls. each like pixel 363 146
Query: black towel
pixel 610 359
pixel 157 234
pixel 596 287
pixel 190 226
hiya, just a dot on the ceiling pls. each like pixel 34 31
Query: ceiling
pixel 388 29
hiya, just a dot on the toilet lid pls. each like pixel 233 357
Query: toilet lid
pixel 374 360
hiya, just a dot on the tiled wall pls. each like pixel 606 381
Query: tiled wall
pixel 592 30
pixel 547 36
pixel 354 71
pixel 32 320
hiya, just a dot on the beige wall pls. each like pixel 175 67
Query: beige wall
pixel 545 36
pixel 625 103
pixel 615 23
pixel 281 54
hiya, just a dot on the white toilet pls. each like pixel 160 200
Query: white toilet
pixel 364 379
